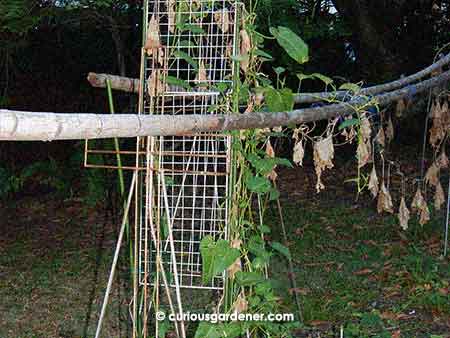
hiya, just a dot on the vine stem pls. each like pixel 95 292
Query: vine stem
pixel 291 265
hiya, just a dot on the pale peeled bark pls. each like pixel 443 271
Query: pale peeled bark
pixel 34 126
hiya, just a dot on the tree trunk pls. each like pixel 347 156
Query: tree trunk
pixel 372 36
pixel 22 126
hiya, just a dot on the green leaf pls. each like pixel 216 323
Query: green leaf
pixel 348 123
pixel 192 28
pixel 164 226
pixel 172 80
pixel 281 249
pixel 185 56
pixel 258 184
pixel 279 70
pixel 279 100
pixel 352 87
pixel 206 329
pixel 216 257
pixel 323 78
pixel 292 43
pixel 248 278
pixel 263 54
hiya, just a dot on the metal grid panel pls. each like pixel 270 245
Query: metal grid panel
pixel 187 179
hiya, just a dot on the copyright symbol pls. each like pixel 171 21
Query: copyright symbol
pixel 160 315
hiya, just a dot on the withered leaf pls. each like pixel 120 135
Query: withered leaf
pixel 373 182
pixel 418 201
pixel 152 42
pixel 269 149
pixel 432 175
pixel 365 128
pixel 400 108
pixel 222 18
pixel 299 153
pixel 171 15
pixel 390 130
pixel 380 138
pixel 240 305
pixel 403 214
pixel 363 153
pixel 323 158
pixel 201 73
pixel 424 214
pixel 439 196
pixel 442 160
pixel 384 202
pixel 246 46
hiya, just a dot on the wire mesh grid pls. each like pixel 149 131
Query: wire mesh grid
pixel 187 178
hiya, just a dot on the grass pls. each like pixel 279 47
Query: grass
pixel 358 270
pixel 355 269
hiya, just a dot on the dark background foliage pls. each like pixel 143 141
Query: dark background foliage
pixel 47 47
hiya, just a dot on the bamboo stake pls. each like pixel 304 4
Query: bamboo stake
pixel 116 257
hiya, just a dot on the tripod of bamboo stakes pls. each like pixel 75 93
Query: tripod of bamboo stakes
pixel 181 184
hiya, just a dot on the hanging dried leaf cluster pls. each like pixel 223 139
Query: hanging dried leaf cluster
pixel 403 214
pixel 364 150
pixel 349 133
pixel 419 205
pixel 299 147
pixel 440 116
pixel 222 18
pixel 373 182
pixel 152 42
pixel 400 108
pixel 246 46
pixel 323 158
pixel 384 200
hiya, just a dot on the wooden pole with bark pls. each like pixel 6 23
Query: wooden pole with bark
pixel 131 85
pixel 34 126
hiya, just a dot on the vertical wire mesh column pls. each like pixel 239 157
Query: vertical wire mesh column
pixel 189 72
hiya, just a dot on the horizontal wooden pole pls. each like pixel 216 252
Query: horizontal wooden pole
pixel 131 85
pixel 37 126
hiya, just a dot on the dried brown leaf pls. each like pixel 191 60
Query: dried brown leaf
pixel 363 153
pixel 323 158
pixel 403 214
pixel 389 130
pixel 240 305
pixel 373 182
pixel 222 18
pixel 432 175
pixel 436 111
pixel 384 200
pixel 299 153
pixel 418 201
pixel 442 160
pixel 424 215
pixel 246 46
pixel 400 108
pixel 201 73
pixel 171 12
pixel 380 138
pixel 269 149
pixel 439 196
pixel 152 42
pixel 365 128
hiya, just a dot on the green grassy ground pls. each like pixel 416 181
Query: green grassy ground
pixel 355 269
pixel 358 270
